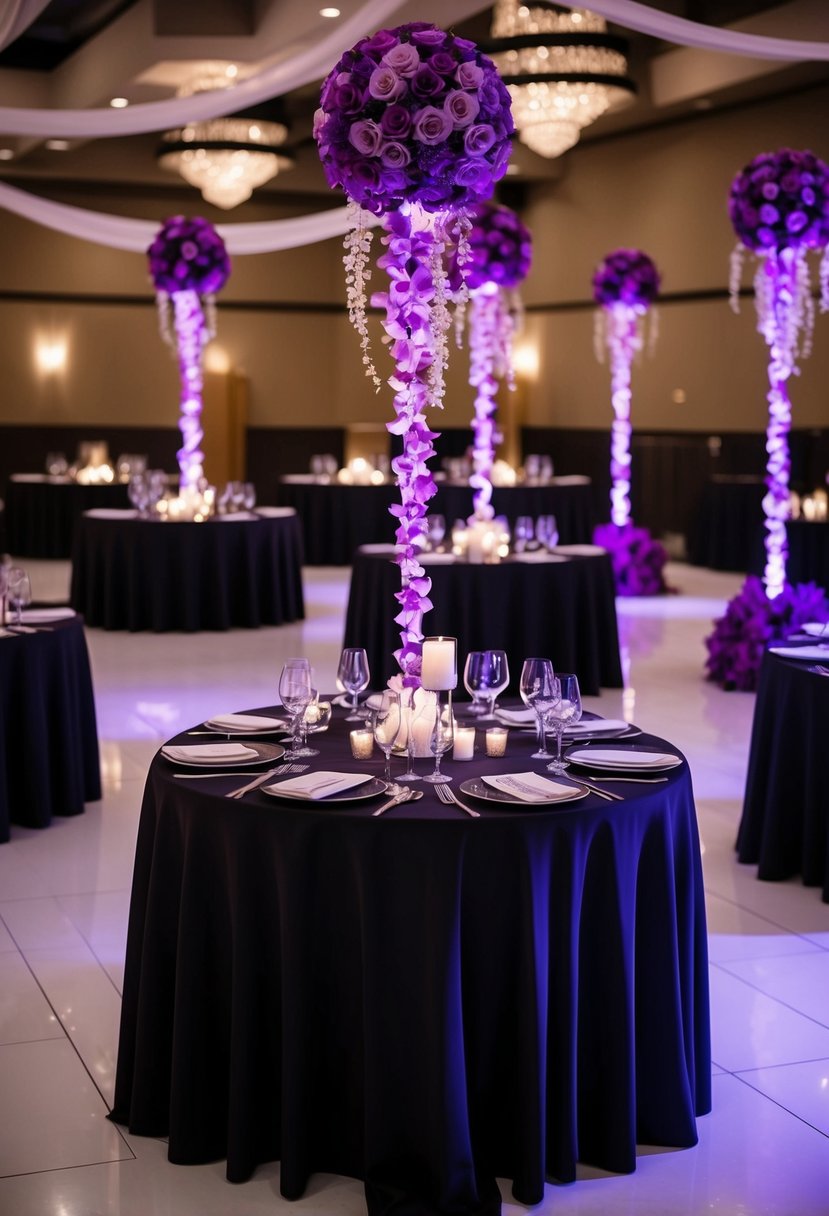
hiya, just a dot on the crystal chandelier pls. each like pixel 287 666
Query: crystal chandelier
pixel 225 158
pixel 562 68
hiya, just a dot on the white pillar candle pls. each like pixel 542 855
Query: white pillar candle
pixel 464 743
pixel 439 670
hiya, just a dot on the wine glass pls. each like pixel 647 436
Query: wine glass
pixel 387 723
pixel 248 495
pixel 546 531
pixel 19 591
pixel 539 691
pixel 296 692
pixel 442 739
pixel 567 709
pixel 476 680
pixel 522 533
pixel 354 676
pixel 497 679
pixel 412 712
pixel 435 530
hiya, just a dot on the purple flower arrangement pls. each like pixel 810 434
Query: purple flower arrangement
pixel 500 248
pixel 188 255
pixel 414 115
pixel 638 560
pixel 753 622
pixel 626 276
pixel 781 201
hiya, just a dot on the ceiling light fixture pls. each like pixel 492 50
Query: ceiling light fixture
pixel 57 145
pixel 6 154
pixel 562 68
pixel 225 158
pixel 329 12
pixel 119 103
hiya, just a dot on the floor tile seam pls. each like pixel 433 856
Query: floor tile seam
pixel 22 899
pixel 769 1067
pixel 807 952
pixel 783 1004
pixel 776 1102
pixel 760 916
pixel 84 1165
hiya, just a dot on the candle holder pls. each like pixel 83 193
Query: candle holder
pixel 439 664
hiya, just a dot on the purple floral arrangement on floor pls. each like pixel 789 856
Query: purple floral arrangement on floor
pixel 638 560
pixel 188 255
pixel 753 622
pixel 626 276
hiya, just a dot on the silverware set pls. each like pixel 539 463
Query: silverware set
pixel 401 794
pixel 450 798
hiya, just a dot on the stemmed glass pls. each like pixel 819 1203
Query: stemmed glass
pixel 354 676
pixel 539 690
pixel 567 709
pixel 476 680
pixel 442 739
pixel 546 531
pixel 296 692
pixel 412 714
pixel 497 679
pixel 19 591
pixel 387 721
pixel 435 531
pixel 522 533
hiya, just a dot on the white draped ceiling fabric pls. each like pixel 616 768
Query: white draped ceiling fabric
pixel 16 16
pixel 120 232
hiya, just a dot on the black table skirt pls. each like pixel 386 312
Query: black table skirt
pixel 41 516
pixel 337 519
pixel 134 574
pixel 564 611
pixel 723 532
pixel 784 828
pixel 423 1001
pixel 808 558
pixel 48 737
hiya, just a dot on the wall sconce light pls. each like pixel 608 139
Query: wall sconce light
pixel 51 355
pixel 526 361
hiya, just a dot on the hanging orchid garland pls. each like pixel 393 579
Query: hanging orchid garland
pixel 779 206
pixel 188 264
pixel 500 254
pixel 414 125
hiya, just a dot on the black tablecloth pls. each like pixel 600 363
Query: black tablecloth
pixel 564 611
pixel 135 574
pixel 48 737
pixel 784 829
pixel 808 560
pixel 724 529
pixel 337 519
pixel 42 513
pixel 424 1001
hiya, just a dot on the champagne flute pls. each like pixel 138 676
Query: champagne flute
pixel 354 676
pixel 411 713
pixel 442 739
pixel 387 723
pixel 567 709
pixel 476 680
pixel 522 533
pixel 539 691
pixel 296 692
pixel 435 531
pixel 497 679
pixel 546 531
pixel 19 591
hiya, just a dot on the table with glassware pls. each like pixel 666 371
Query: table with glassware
pixel 48 738
pixel 423 999
pixel 561 605
pixel 337 518
pixel 784 828
pixel 233 571
pixel 42 512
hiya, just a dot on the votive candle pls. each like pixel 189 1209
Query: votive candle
pixel 464 743
pixel 362 744
pixel 496 741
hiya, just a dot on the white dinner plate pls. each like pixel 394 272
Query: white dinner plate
pixel 623 758
pixel 476 788
pixel 266 753
pixel 42 616
pixel 236 725
pixel 817 629
pixel 360 793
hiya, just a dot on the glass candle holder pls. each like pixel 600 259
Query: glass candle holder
pixel 496 741
pixel 464 743
pixel 362 744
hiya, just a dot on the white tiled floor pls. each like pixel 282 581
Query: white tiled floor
pixel 64 897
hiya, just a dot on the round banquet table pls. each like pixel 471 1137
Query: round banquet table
pixel 337 519
pixel 42 512
pixel 784 828
pixel 48 737
pixel 234 571
pixel 723 531
pixel 562 609
pixel 424 1001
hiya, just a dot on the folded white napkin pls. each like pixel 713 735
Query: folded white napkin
pixel 596 726
pixel 319 785
pixel 807 653
pixel 580 550
pixel 538 555
pixel 529 787
pixel 275 512
pixel 436 559
pixel 626 759
pixel 110 513
pixel 378 549
pixel 516 717
pixel 207 753
pixel 40 616
pixel 244 722
pixel 817 629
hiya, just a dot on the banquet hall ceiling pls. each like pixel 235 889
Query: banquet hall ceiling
pixel 81 53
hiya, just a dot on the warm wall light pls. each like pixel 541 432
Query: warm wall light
pixel 57 145
pixel 50 355
pixel 525 360
pixel 6 154
pixel 216 359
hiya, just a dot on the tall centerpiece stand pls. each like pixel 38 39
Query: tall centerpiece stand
pixel 779 207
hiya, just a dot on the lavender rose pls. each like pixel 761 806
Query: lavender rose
pixel 366 137
pixel 432 126
pixel 385 85
pixel 403 58
pixel 461 107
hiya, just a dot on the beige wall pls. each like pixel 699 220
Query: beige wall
pixel 663 190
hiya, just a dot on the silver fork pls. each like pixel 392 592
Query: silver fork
pixel 450 799
pixel 263 777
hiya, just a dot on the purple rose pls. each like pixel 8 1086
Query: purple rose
pixel 769 214
pixel 396 122
pixel 770 191
pixel 394 155
pixel 403 59
pixel 428 35
pixel 796 221
pixel 364 174
pixel 461 107
pixel 472 173
pixel 469 75
pixel 432 126
pixel 379 43
pixel 366 137
pixel 189 250
pixel 426 83
pixel 320 119
pixel 348 99
pixel 478 139
pixel 385 85
pixel 443 63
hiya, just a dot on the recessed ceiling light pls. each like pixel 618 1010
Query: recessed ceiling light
pixel 119 103
pixel 57 145
pixel 231 70
pixel 329 12
pixel 6 154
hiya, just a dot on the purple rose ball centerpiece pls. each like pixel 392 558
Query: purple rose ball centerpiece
pixel 414 125
pixel 188 264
